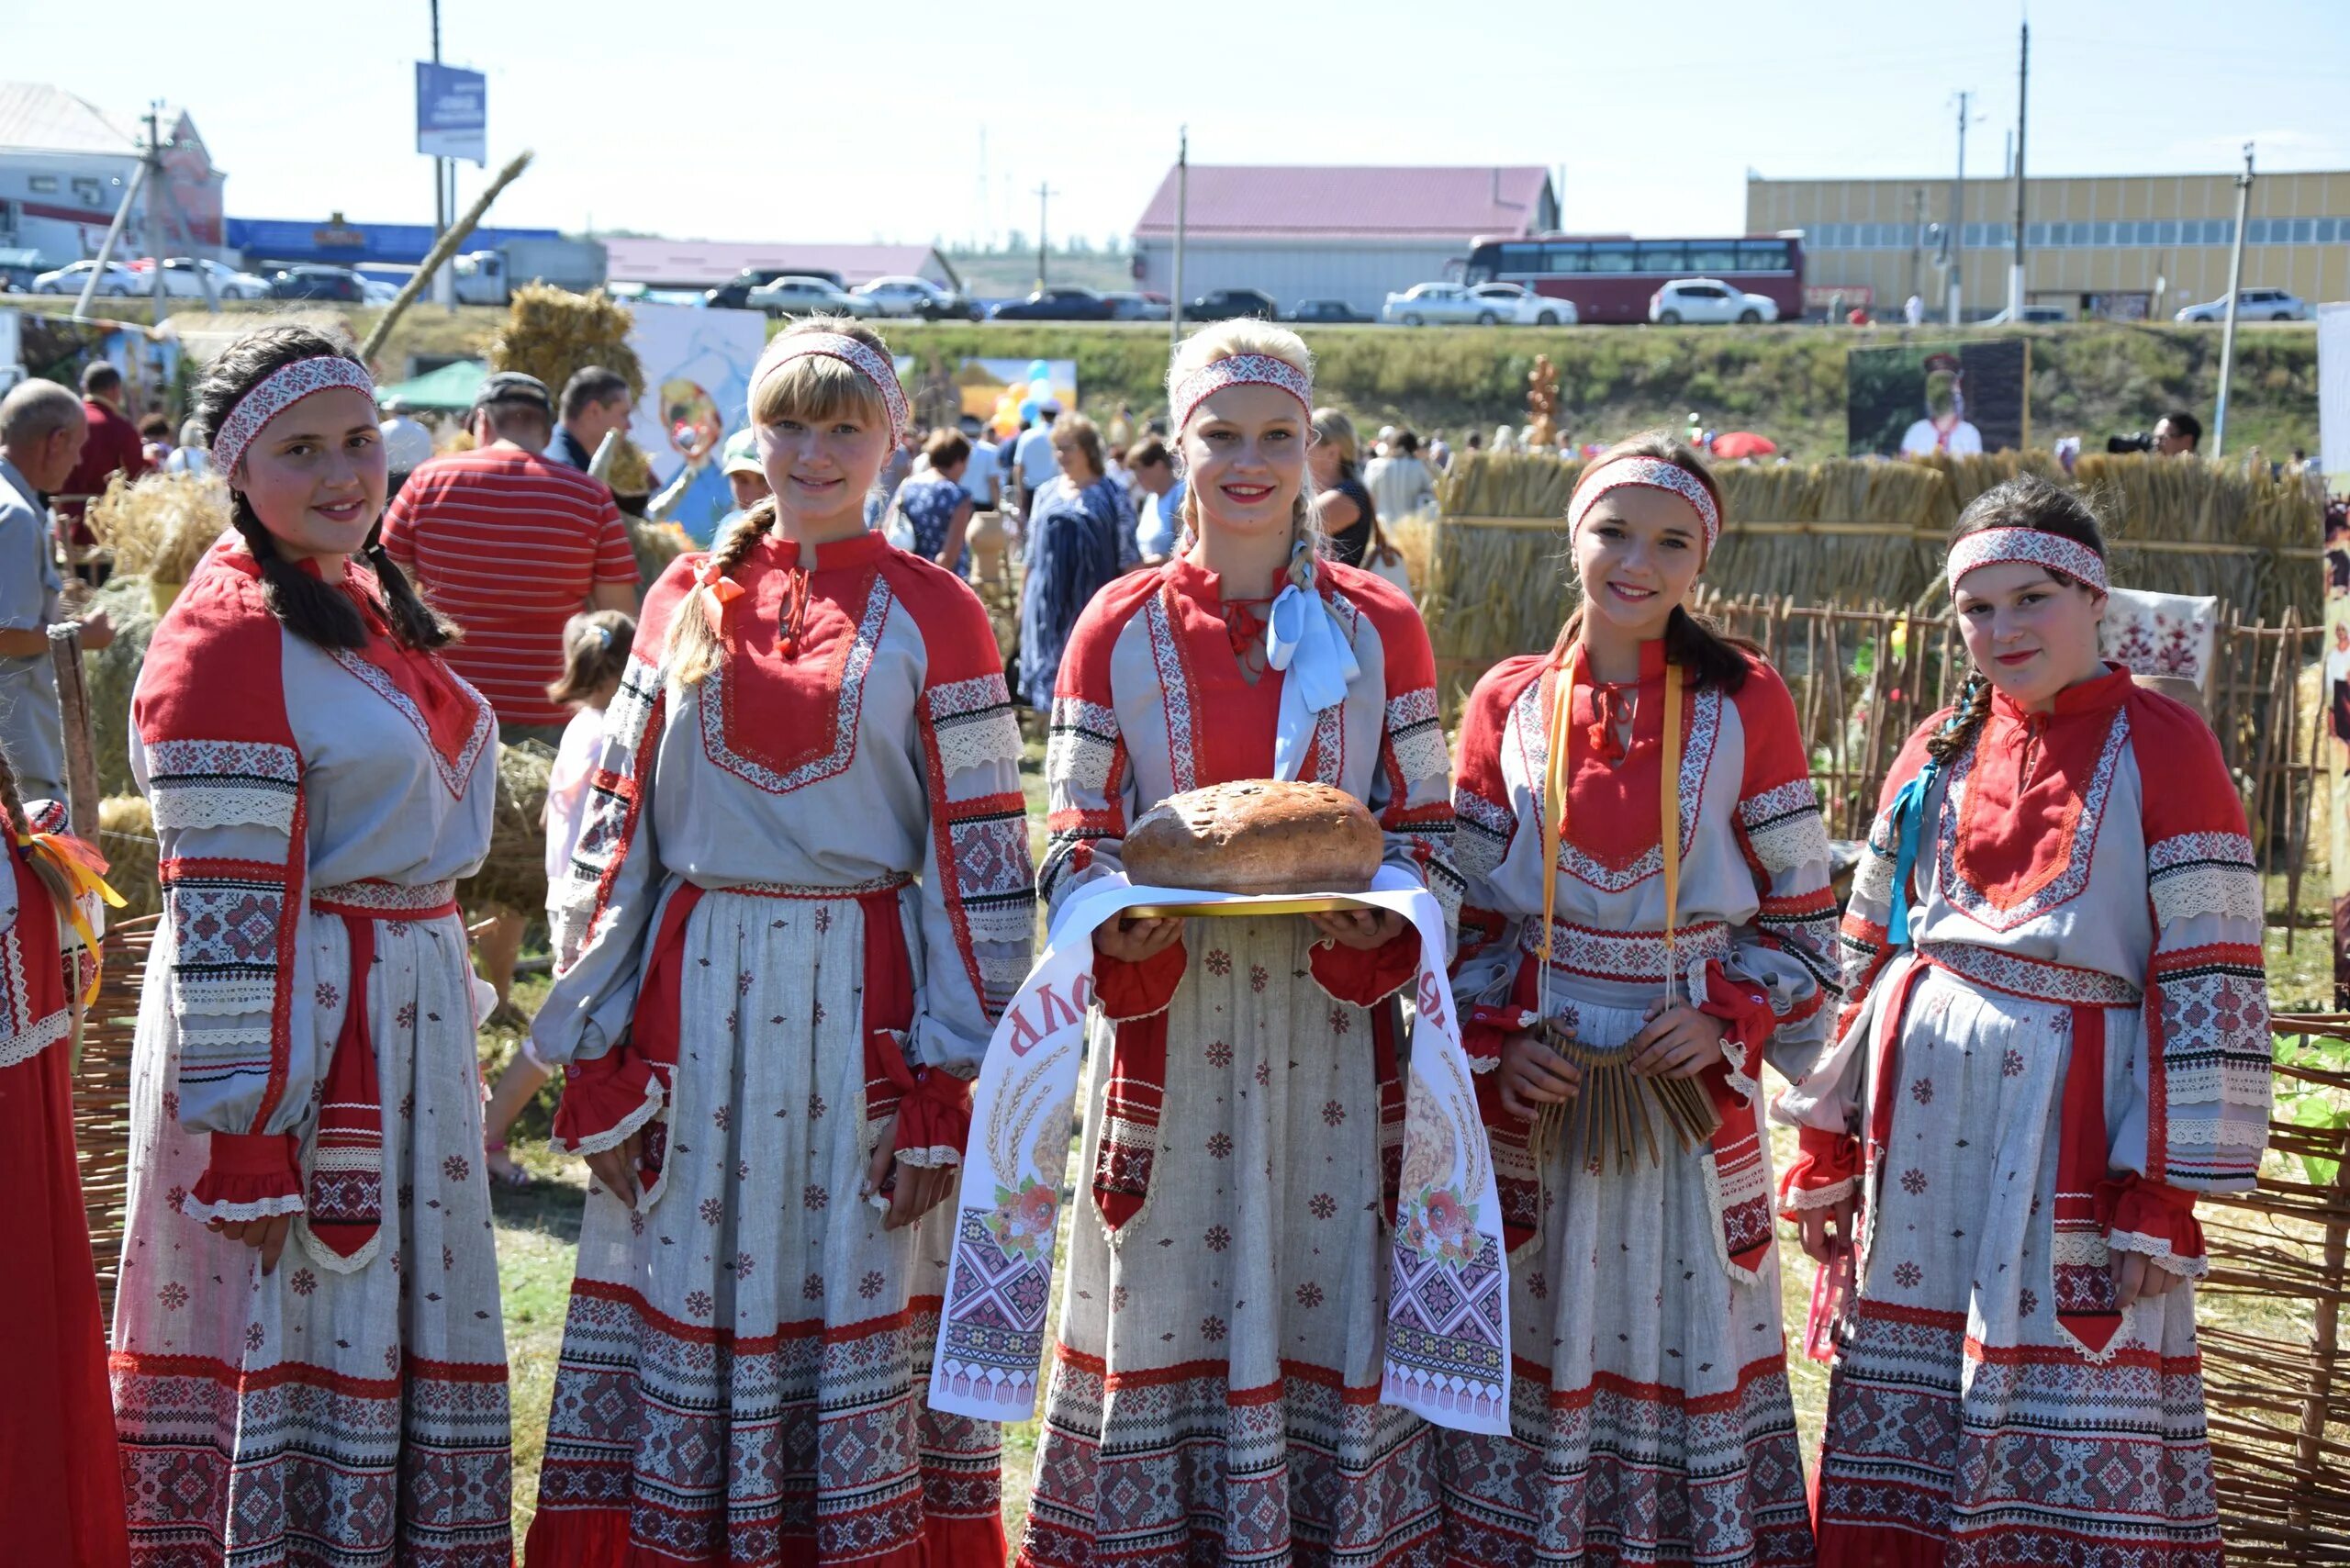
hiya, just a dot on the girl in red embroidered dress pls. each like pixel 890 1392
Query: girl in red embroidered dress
pixel 310 1363
pixel 2055 1035
pixel 801 895
pixel 1215 1395
pixel 61 1476
pixel 1651 1419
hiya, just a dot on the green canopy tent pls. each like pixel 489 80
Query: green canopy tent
pixel 448 390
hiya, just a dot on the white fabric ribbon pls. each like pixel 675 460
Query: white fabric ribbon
pixel 1447 1315
pixel 1304 642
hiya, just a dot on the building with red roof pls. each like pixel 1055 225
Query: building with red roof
pixel 1354 233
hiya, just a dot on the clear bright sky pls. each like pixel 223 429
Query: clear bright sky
pixel 785 120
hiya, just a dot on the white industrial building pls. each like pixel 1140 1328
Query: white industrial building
pixel 65 165
pixel 1350 233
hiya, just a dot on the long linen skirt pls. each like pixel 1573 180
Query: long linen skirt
pixel 1215 1394
pixel 310 1416
pixel 742 1366
pixel 1649 1415
pixel 1965 1430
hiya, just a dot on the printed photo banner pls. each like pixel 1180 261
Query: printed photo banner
pixel 1447 1315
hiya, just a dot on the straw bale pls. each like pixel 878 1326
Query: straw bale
pixel 110 673
pixel 126 838
pixel 514 876
pixel 161 526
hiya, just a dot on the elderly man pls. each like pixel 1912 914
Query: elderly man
pixel 42 430
pixel 596 403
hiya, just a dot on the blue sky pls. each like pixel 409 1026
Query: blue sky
pixel 844 123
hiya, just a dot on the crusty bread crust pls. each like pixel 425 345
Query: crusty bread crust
pixel 1256 836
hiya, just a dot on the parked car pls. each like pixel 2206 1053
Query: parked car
pixel 1128 305
pixel 916 297
pixel 119 281
pixel 311 281
pixel 1523 307
pixel 1224 304
pixel 1057 303
pixel 1326 312
pixel 2252 305
pixel 1706 299
pixel 793 295
pixel 735 293
pixel 2033 315
pixel 183 278
pixel 1427 303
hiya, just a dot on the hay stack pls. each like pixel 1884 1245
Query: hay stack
pixel 126 838
pixel 514 877
pixel 553 334
pixel 111 672
pixel 161 527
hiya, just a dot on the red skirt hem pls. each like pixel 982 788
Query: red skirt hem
pixel 599 1538
pixel 1874 1546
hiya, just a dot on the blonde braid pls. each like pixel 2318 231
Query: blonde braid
pixel 693 650
pixel 13 822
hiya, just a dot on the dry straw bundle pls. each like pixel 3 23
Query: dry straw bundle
pixel 514 876
pixel 161 527
pixel 553 334
pixel 126 838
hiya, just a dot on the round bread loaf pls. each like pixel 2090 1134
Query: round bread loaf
pixel 1256 836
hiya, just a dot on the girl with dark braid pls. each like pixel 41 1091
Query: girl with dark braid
pixel 801 896
pixel 308 1356
pixel 2054 1037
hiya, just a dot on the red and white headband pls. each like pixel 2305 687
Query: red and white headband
pixel 275 393
pixel 2032 546
pixel 1240 370
pixel 1644 473
pixel 861 357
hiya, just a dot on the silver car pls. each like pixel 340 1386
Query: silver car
pixel 795 295
pixel 2252 305
pixel 1425 303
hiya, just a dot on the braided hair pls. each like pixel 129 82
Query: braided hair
pixel 13 822
pixel 2025 501
pixel 306 605
pixel 692 649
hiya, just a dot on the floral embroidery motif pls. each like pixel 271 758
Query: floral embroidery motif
pixel 1908 1275
pixel 1309 1294
pixel 699 1302
pixel 1322 1206
pixel 456 1168
pixel 1211 1329
pixel 1217 1238
pixel 1913 1181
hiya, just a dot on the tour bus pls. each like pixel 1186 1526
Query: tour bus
pixel 1611 277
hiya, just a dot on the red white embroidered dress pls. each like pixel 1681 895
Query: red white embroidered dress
pixel 306 1047
pixel 2075 1045
pixel 1650 1419
pixel 60 1477
pixel 801 893
pixel 1214 1396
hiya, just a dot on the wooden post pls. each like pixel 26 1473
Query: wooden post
pixel 2309 1462
pixel 81 792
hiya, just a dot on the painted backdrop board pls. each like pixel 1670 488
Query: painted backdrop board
pixel 697 393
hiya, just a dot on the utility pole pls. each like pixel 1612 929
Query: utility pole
pixel 155 246
pixel 1045 194
pixel 1182 197
pixel 1917 240
pixel 2024 93
pixel 1957 289
pixel 2228 333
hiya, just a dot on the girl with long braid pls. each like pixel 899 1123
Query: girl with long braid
pixel 309 1359
pixel 1215 1394
pixel 2054 1037
pixel 801 896
pixel 1649 920
pixel 60 1486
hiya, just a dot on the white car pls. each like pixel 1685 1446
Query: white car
pixel 1424 303
pixel 1525 309
pixel 119 281
pixel 1704 299
pixel 913 296
pixel 181 279
pixel 794 296
pixel 2252 305
pixel 2033 315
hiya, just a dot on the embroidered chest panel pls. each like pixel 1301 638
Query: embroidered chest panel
pixel 1597 846
pixel 2012 846
pixel 785 723
pixel 1195 758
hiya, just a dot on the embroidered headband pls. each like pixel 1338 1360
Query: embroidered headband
pixel 1240 370
pixel 1995 546
pixel 861 357
pixel 275 393
pixel 1645 473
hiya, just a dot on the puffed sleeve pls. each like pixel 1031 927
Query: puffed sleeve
pixel 1822 1099
pixel 1776 990
pixel 1091 797
pixel 1485 810
pixel 601 912
pixel 213 748
pixel 2197 1119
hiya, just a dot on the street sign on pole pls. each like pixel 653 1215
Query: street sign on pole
pixel 452 112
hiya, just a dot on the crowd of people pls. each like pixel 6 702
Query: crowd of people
pixel 792 894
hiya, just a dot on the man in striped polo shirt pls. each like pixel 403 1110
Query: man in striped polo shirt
pixel 510 546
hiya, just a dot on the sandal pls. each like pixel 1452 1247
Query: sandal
pixel 494 1157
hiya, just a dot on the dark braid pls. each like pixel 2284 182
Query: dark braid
pixel 2025 501
pixel 311 608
